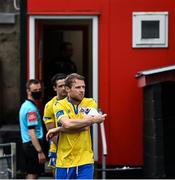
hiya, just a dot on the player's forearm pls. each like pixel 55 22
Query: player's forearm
pixel 76 124
pixel 75 130
pixel 50 125
pixel 81 123
pixel 53 132
pixel 59 129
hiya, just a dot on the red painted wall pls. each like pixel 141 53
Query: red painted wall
pixel 119 94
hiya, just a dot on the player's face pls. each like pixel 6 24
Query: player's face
pixel 77 91
pixel 60 88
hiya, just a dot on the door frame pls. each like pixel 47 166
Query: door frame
pixel 32 55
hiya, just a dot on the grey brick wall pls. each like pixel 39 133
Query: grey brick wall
pixel 9 64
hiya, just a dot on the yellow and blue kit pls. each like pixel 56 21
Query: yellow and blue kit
pixel 74 149
pixel 50 118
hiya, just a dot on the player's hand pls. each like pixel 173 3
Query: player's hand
pixel 100 118
pixel 51 133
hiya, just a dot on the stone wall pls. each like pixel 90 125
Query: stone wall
pixel 9 64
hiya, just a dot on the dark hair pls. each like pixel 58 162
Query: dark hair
pixel 71 79
pixel 57 77
pixel 32 81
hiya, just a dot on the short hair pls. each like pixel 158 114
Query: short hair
pixel 57 77
pixel 71 79
pixel 32 81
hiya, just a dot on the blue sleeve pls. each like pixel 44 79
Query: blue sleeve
pixel 32 117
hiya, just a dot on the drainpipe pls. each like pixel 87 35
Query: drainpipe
pixel 15 5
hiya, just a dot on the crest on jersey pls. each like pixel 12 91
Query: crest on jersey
pixel 84 110
pixel 89 111
pixel 59 113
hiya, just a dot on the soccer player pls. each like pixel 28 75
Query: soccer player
pixel 58 84
pixel 74 154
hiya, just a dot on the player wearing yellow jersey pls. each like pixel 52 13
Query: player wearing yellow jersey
pixel 74 154
pixel 58 85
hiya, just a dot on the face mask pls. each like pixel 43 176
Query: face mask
pixel 36 95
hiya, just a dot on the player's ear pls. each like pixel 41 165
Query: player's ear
pixel 54 88
pixel 67 89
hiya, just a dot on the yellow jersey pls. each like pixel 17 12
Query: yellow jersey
pixel 74 149
pixel 49 117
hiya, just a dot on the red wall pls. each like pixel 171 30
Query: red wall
pixel 119 94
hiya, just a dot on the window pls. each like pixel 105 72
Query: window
pixel 150 29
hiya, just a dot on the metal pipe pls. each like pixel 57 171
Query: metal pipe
pixel 103 166
pixel 11 156
pixel 104 147
pixel 15 5
pixel 13 161
pixel 103 139
pixel 5 144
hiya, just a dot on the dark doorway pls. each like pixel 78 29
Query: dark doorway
pixel 78 33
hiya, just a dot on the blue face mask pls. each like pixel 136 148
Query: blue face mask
pixel 36 95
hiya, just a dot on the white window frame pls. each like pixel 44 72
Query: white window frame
pixel 138 41
pixel 32 27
